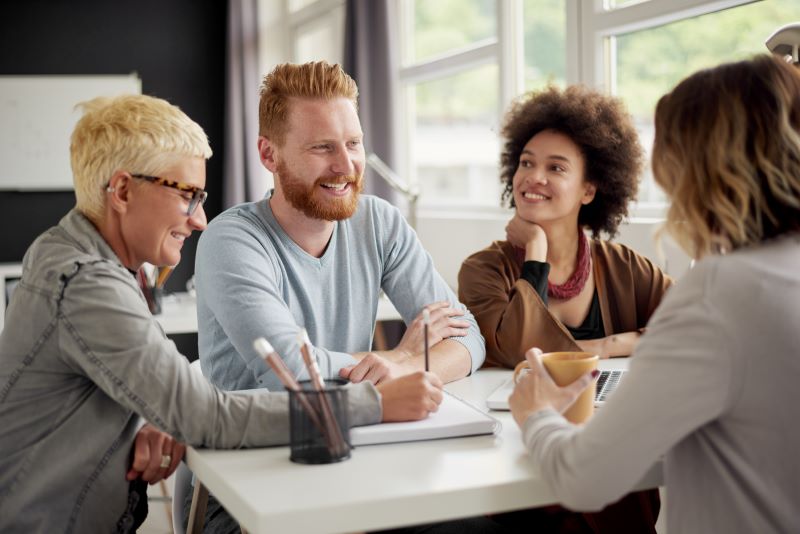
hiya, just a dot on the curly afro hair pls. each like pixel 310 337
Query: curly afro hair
pixel 603 131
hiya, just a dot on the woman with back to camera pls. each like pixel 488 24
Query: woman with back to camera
pixel 713 386
pixel 571 163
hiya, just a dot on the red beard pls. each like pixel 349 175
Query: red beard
pixel 307 198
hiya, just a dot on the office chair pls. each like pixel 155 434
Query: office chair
pixel 183 487
pixel 183 484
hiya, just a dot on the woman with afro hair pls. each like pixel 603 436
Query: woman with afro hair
pixel 570 166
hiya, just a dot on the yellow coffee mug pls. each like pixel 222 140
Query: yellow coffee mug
pixel 565 368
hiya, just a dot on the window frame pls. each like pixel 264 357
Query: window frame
pixel 590 60
pixel 314 15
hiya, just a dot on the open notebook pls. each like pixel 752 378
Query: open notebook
pixel 606 384
pixel 455 418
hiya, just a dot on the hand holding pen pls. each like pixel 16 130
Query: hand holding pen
pixel 445 321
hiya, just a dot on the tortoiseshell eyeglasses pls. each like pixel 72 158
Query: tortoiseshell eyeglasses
pixel 198 195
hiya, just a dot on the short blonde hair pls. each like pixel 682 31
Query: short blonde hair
pixel 727 153
pixel 314 80
pixel 134 133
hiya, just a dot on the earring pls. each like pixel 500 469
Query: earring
pixel 110 189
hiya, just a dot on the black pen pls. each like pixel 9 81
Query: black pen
pixel 426 321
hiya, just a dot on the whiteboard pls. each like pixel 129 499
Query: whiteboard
pixel 9 275
pixel 37 115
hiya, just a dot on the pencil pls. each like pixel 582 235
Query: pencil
pixel 147 291
pixel 328 417
pixel 426 321
pixel 163 275
pixel 273 359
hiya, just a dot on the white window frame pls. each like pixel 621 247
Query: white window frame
pixel 590 30
pixel 314 14
pixel 505 50
pixel 597 55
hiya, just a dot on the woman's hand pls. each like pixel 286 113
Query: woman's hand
pixel 411 397
pixel 536 391
pixel 155 455
pixel 613 345
pixel 443 324
pixel 527 235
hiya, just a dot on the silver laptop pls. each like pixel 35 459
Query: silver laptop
pixel 606 383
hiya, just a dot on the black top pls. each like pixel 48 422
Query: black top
pixel 536 273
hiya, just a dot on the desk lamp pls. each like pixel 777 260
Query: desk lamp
pixel 411 193
pixel 785 41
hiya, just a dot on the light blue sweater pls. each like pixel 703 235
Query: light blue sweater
pixel 253 280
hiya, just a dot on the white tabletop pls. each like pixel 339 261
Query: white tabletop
pixel 179 312
pixel 383 486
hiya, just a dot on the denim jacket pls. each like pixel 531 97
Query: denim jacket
pixel 81 361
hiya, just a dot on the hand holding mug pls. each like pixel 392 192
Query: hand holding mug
pixel 558 380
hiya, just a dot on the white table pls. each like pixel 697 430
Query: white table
pixel 179 312
pixel 383 486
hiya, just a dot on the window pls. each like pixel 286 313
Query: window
pixel 443 26
pixel 545 50
pixel 463 61
pixel 456 168
pixel 647 56
pixel 316 30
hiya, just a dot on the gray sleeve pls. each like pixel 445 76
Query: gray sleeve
pixel 411 280
pixel 107 334
pixel 680 378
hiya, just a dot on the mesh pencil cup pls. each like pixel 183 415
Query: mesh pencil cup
pixel 155 302
pixel 319 425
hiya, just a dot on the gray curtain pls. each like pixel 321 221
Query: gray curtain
pixel 244 178
pixel 368 58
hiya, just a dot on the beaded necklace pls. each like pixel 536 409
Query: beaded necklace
pixel 572 287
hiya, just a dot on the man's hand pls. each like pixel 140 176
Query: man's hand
pixel 411 397
pixel 536 391
pixel 156 455
pixel 527 235
pixel 442 326
pixel 374 369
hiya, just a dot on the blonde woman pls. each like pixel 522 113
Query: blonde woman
pixel 714 384
pixel 82 361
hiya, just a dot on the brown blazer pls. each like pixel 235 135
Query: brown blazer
pixel 513 318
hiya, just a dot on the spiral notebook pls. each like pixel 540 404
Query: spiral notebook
pixel 455 418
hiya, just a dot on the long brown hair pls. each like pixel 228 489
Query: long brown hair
pixel 727 153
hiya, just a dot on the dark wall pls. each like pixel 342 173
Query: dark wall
pixel 177 47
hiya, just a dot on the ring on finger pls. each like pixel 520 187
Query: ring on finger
pixel 166 459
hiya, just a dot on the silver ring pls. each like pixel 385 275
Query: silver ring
pixel 166 459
